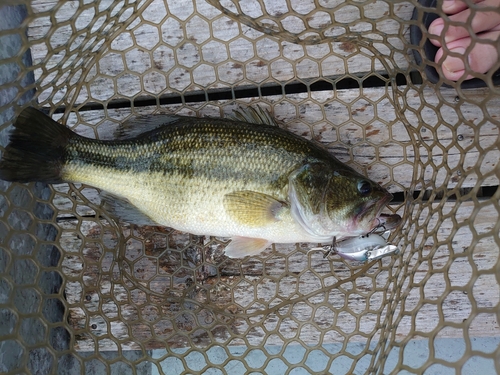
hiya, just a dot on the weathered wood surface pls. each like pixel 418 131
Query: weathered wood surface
pixel 165 287
pixel 165 281
pixel 187 47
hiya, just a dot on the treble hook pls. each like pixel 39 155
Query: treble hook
pixel 332 249
pixel 328 249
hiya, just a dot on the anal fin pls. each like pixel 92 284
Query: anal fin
pixel 240 247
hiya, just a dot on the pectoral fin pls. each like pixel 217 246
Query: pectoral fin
pixel 252 208
pixel 240 247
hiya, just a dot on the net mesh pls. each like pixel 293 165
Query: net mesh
pixel 81 293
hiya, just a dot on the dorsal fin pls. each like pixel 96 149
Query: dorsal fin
pixel 136 126
pixel 253 115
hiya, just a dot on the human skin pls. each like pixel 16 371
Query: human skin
pixel 454 40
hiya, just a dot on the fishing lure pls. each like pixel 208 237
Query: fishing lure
pixel 368 247
pixel 364 248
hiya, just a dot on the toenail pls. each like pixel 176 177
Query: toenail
pixel 448 4
pixel 455 63
pixel 436 27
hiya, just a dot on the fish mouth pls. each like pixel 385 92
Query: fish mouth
pixel 374 209
pixel 379 206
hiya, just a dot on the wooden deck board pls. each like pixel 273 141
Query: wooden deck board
pixel 210 51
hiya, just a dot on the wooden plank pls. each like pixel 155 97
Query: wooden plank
pixel 183 289
pixel 186 46
pixel 445 301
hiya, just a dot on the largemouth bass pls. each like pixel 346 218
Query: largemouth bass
pixel 256 184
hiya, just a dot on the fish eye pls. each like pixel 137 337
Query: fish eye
pixel 364 187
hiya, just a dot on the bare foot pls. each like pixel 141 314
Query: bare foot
pixel 484 54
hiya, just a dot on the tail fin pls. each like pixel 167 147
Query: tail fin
pixel 36 150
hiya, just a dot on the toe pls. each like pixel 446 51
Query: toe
pixel 484 55
pixel 454 6
pixel 436 28
pixel 452 66
pixel 457 61
pixel 465 22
